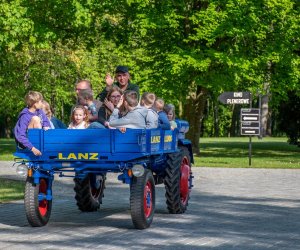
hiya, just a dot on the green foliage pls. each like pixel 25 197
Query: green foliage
pixel 173 48
pixel 218 45
pixel 48 71
pixel 222 128
pixel 16 27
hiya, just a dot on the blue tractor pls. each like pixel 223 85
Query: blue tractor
pixel 143 157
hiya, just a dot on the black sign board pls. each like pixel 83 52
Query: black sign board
pixel 250 124
pixel 235 98
pixel 250 111
pixel 253 118
pixel 250 121
pixel 250 131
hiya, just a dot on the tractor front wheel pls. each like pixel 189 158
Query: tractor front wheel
pixel 37 207
pixel 142 200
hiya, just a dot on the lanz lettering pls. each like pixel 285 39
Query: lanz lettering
pixel 78 156
pixel 155 139
pixel 168 138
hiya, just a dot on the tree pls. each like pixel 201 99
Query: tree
pixel 289 122
pixel 185 51
pixel 193 48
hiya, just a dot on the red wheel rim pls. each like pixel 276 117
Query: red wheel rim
pixel 148 199
pixel 95 192
pixel 43 205
pixel 184 180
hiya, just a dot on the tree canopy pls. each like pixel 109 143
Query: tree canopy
pixel 185 51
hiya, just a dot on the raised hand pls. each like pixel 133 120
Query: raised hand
pixel 120 103
pixel 109 104
pixel 109 80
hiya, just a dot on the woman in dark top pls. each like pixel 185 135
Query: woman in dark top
pixel 110 102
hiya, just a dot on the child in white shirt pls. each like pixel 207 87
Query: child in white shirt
pixel 79 118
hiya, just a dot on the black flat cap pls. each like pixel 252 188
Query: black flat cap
pixel 121 69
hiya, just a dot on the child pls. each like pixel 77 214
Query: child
pixel 135 116
pixel 86 99
pixel 147 101
pixel 31 117
pixel 170 111
pixel 54 122
pixel 79 118
pixel 84 85
pixel 163 121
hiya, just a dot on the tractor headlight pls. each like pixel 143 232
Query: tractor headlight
pixel 138 170
pixel 22 169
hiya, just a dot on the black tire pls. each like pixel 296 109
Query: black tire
pixel 177 181
pixel 142 200
pixel 89 192
pixel 37 211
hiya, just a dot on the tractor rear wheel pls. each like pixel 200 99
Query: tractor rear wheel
pixel 142 200
pixel 89 192
pixel 37 208
pixel 177 181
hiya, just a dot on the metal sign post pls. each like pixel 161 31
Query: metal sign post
pixel 250 125
pixel 250 121
pixel 250 118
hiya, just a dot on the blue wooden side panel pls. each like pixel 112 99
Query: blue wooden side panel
pixel 99 144
pixel 154 140
pixel 160 141
pixel 36 140
pixel 34 136
pixel 88 140
pixel 169 139
pixel 132 141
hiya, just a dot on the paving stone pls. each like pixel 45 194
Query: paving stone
pixel 229 209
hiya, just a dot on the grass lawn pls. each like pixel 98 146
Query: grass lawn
pixel 234 152
pixel 11 190
pixel 7 147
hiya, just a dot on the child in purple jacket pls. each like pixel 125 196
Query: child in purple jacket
pixel 32 116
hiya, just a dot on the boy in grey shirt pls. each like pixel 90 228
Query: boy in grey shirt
pixel 135 116
pixel 147 101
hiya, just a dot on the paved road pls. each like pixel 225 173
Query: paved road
pixel 229 209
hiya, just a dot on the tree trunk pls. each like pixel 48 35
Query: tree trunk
pixel 234 127
pixel 265 113
pixel 265 117
pixel 193 113
pixel 5 127
pixel 216 119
